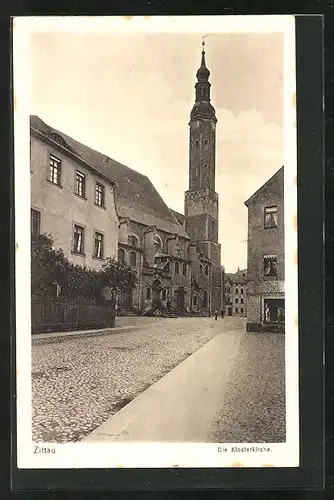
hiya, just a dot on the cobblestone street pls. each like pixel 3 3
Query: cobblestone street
pixel 78 382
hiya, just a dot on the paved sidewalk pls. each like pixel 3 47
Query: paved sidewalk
pixel 182 405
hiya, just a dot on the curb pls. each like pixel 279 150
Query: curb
pixel 45 338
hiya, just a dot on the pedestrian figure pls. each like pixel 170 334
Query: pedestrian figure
pixel 216 314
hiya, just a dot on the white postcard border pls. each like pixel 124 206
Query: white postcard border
pixel 157 455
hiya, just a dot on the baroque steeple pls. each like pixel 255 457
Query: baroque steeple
pixel 201 199
pixel 202 107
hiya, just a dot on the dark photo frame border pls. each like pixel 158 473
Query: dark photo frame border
pixel 310 474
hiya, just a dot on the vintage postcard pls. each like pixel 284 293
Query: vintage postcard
pixel 156 242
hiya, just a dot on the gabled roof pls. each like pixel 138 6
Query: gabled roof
pixel 179 217
pixel 266 185
pixel 237 278
pixel 136 197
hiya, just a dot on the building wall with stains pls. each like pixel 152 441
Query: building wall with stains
pixel 266 273
pixel 60 208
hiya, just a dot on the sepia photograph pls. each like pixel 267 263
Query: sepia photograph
pixel 156 242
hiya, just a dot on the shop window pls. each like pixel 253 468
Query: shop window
pixel 274 311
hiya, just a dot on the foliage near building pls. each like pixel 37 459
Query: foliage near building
pixel 50 267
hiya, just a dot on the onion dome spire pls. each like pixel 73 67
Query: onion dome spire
pixel 203 73
pixel 202 107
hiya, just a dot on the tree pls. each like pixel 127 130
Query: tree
pixel 118 277
pixel 49 266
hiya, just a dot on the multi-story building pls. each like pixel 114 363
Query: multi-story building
pixel 71 199
pixel 265 273
pixel 235 293
pixel 176 256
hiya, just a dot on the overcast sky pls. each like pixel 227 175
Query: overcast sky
pixel 130 97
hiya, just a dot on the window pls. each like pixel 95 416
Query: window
pixel 242 301
pixel 99 194
pixel 205 299
pixel 236 290
pixel 35 222
pixel 206 143
pixel 167 267
pixel 197 144
pixel 121 255
pixel 242 310
pixel 241 290
pixel 133 259
pixel 164 294
pixel 274 311
pixel 158 243
pixel 98 246
pixel 201 269
pixel 270 266
pixel 270 217
pixel 148 293
pixel 132 240
pixel 55 170
pixel 80 184
pixel 236 310
pixel 184 269
pixel 177 268
pixel 205 167
pixel 195 301
pixel 78 240
pixel 236 301
pixel 206 270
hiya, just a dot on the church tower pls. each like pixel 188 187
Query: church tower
pixel 201 199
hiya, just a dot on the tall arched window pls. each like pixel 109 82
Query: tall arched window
pixel 121 255
pixel 206 270
pixel 132 240
pixel 158 243
pixel 177 268
pixel 133 259
pixel 205 299
pixel 148 293
pixel 197 144
pixel 206 143
pixel 184 269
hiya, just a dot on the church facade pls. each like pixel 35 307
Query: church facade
pixel 176 256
